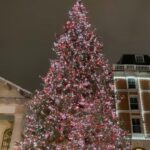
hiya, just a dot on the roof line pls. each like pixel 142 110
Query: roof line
pixel 15 85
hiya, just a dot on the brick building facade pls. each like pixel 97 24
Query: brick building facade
pixel 132 86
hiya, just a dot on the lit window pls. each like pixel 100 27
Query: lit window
pixel 136 125
pixel 134 103
pixel 138 148
pixel 139 59
pixel 6 139
pixel 131 83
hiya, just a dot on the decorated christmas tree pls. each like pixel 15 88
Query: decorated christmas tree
pixel 75 110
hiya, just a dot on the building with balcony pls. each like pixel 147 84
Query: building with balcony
pixel 12 108
pixel 132 86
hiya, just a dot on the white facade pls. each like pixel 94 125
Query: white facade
pixel 12 108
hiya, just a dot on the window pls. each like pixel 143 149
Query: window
pixel 138 148
pixel 136 125
pixel 139 59
pixel 6 139
pixel 134 103
pixel 131 83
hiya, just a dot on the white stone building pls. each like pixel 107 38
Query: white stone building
pixel 12 108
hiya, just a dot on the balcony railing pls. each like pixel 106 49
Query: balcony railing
pixel 138 136
pixel 138 68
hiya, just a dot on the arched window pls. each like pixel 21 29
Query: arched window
pixel 138 148
pixel 6 139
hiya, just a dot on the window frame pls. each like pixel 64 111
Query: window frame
pixel 138 106
pixel 131 86
pixel 141 130
pixel 139 59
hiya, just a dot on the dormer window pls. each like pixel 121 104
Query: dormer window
pixel 139 59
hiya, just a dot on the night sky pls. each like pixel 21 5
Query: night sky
pixel 28 28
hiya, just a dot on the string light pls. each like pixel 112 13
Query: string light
pixel 75 109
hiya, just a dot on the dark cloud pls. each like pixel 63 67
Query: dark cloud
pixel 27 30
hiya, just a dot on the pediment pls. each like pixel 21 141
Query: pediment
pixel 12 93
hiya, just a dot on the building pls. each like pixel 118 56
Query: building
pixel 12 98
pixel 132 86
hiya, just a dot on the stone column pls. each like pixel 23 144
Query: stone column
pixel 17 130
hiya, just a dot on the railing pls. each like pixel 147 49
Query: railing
pixel 138 136
pixel 140 68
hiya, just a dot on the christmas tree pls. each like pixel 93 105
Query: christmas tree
pixel 76 107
